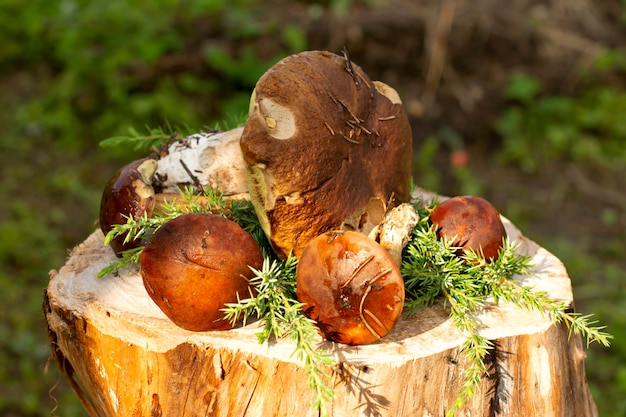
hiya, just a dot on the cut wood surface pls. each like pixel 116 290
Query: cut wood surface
pixel 124 357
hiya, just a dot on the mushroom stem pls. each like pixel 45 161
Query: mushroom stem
pixel 206 160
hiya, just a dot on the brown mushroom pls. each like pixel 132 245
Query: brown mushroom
pixel 472 223
pixel 321 142
pixel 128 193
pixel 195 264
pixel 396 228
pixel 350 286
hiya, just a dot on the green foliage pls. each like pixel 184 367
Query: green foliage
pixel 341 8
pixel 104 66
pixel 454 178
pixel 424 155
pixel 598 280
pixel 543 132
pixel 19 340
pixel 537 129
pixel 89 61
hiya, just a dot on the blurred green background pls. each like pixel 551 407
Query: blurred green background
pixel 524 105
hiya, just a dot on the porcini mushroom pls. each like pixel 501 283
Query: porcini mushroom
pixel 350 286
pixel 128 193
pixel 323 140
pixel 472 223
pixel 195 264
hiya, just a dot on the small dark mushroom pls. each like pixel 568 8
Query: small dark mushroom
pixel 472 222
pixel 128 193
pixel 350 286
pixel 195 264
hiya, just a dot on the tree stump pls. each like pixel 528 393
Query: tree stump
pixel 123 357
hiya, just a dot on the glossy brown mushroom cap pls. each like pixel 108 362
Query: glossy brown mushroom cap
pixel 195 264
pixel 351 287
pixel 321 142
pixel 472 222
pixel 128 193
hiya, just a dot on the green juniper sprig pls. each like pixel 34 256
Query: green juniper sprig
pixel 280 314
pixel 433 268
pixel 139 228
pixel 559 311
pixel 144 142
pixel 127 259
pixel 475 349
pixel 153 137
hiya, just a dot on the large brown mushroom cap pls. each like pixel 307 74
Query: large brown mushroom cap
pixel 321 141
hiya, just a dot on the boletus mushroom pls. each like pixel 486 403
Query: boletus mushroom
pixel 128 193
pixel 350 286
pixel 472 223
pixel 321 142
pixel 196 263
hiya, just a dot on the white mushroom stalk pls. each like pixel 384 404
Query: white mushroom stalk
pixel 395 230
pixel 214 159
pixel 205 159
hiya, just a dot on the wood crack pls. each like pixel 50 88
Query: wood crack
pixel 252 391
pixel 194 359
pixel 499 377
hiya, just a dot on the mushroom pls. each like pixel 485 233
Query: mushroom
pixel 129 193
pixel 321 143
pixel 350 286
pixel 472 223
pixel 196 263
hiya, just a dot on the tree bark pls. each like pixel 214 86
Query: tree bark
pixel 123 357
